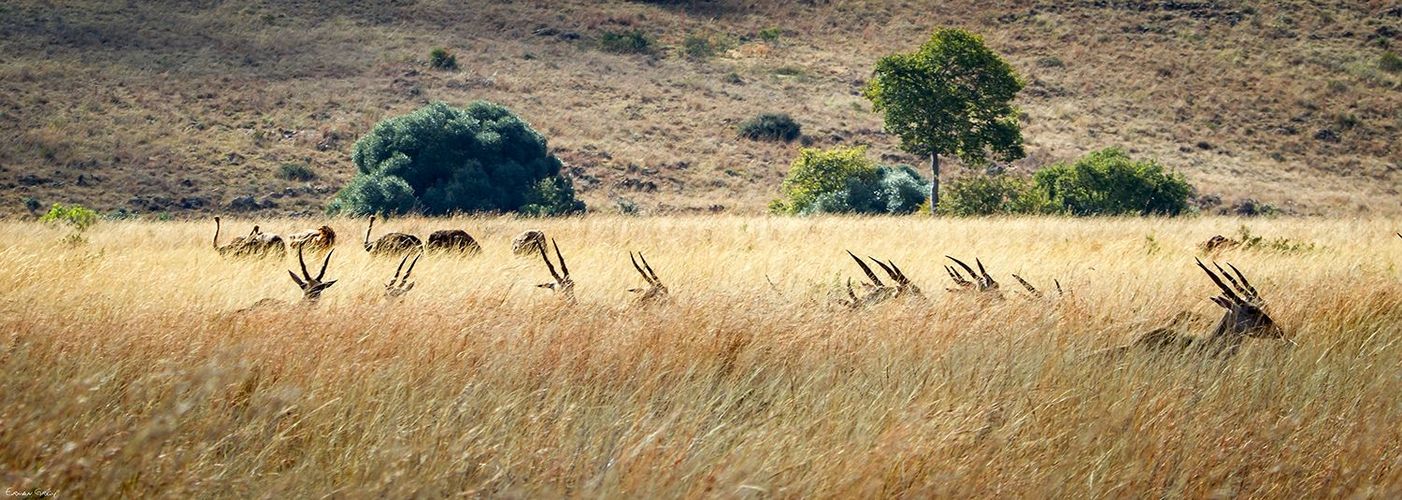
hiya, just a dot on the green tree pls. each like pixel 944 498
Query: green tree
pixel 843 180
pixel 440 159
pixel 952 96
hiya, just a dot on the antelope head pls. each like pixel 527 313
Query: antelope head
pixel 311 287
pixel 876 290
pixel 655 289
pixel 1245 314
pixel 397 285
pixel 977 282
pixel 563 284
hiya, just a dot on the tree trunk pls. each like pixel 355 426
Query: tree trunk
pixel 934 182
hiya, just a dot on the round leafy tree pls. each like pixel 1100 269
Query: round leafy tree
pixel 440 159
pixel 952 96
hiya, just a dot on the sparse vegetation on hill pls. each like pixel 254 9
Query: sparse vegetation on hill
pixel 771 127
pixel 1244 99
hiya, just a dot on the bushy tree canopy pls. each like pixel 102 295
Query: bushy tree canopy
pixel 1109 182
pixel 441 159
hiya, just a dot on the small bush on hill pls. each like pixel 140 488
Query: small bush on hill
pixel 704 46
pixel 771 127
pixel 771 35
pixel 295 172
pixel 1109 182
pixel 76 217
pixel 626 42
pixel 1390 62
pixel 441 160
pixel 440 58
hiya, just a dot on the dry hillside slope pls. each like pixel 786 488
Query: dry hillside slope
pixel 190 106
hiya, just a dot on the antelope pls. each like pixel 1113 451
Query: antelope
pixel 527 242
pixel 453 240
pixel 563 285
pixel 879 291
pixel 398 286
pixel 311 286
pixel 1244 317
pixel 317 239
pixel 655 290
pixel 391 243
pixel 982 282
pixel 257 243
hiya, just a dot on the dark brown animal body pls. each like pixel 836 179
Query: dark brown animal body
pixel 455 240
pixel 391 243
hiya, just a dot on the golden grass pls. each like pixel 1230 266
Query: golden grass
pixel 128 372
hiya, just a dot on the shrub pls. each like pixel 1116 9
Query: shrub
pixel 626 42
pixel 1390 62
pixel 843 180
pixel 440 159
pixel 1109 182
pixel 295 172
pixel 699 46
pixel 440 58
pixel 771 35
pixel 992 195
pixel 895 190
pixel 31 204
pixel 771 127
pixel 77 217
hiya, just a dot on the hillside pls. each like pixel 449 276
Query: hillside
pixel 191 108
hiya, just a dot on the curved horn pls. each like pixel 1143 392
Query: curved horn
pixel 1226 291
pixel 324 263
pixel 866 269
pixel 411 267
pixel 400 268
pixel 639 268
pixel 548 265
pixel 966 267
pixel 886 268
pixel 563 268
pixel 303 262
pixel 1251 290
pixel 647 266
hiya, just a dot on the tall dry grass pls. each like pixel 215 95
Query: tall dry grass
pixel 128 371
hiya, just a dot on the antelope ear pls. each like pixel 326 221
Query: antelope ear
pixel 299 281
pixel 635 290
pixel 546 285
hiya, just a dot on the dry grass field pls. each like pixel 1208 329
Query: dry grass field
pixel 182 107
pixel 129 372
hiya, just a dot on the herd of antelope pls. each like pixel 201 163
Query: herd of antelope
pixel 1244 315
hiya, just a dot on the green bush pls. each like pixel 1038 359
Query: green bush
pixel 992 195
pixel 626 42
pixel 441 159
pixel 704 46
pixel 75 216
pixel 771 35
pixel 843 180
pixel 295 172
pixel 771 127
pixel 1390 62
pixel 1109 182
pixel 895 190
pixel 440 58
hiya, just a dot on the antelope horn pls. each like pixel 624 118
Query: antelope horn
pixel 1225 289
pixel 900 275
pixel 1237 286
pixel 639 268
pixel 400 268
pixel 303 263
pixel 866 269
pixel 1027 285
pixel 548 265
pixel 324 263
pixel 850 292
pixel 299 281
pixel 988 280
pixel 966 267
pixel 412 264
pixel 647 266
pixel 884 267
pixel 1249 289
pixel 563 268
pixel 1058 287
